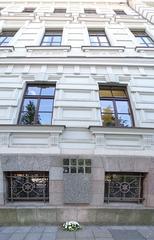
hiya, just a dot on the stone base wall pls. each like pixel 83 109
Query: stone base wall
pixel 94 183
pixel 103 216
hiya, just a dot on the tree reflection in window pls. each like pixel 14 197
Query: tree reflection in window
pixel 37 107
pixel 115 107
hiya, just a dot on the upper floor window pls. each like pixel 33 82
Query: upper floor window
pixel 98 38
pixel 52 38
pixel 115 107
pixel 1 9
pixel 60 10
pixel 28 10
pixel 37 105
pixel 90 11
pixel 120 12
pixel 5 37
pixel 143 39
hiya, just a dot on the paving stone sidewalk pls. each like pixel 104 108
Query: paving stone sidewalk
pixel 87 233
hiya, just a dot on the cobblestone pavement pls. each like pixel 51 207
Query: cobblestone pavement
pixel 87 233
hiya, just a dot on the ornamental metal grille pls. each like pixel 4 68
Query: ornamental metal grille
pixel 28 186
pixel 124 187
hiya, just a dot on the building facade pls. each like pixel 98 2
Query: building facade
pixel 77 104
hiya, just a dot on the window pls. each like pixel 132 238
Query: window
pixel 98 38
pixel 28 10
pixel 77 165
pixel 6 37
pixel 115 107
pixel 90 11
pixel 120 12
pixel 28 186
pixel 124 187
pixel 60 10
pixel 37 106
pixel 143 39
pixel 52 38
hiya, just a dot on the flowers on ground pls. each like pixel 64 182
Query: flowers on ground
pixel 71 226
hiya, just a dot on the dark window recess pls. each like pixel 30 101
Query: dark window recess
pixel 120 12
pixel 37 105
pixel 28 186
pixel 90 11
pixel 1 9
pixel 52 38
pixel 76 165
pixel 6 37
pixel 98 38
pixel 28 10
pixel 143 39
pixel 60 10
pixel 124 187
pixel 115 107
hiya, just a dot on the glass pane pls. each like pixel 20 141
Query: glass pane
pixel 88 162
pixel 45 44
pixel 147 39
pixel 73 161
pixel 56 43
pixel 47 39
pixel 88 170
pixel 105 93
pixel 66 170
pixel 65 161
pixel 57 39
pixel 44 118
pixel 2 39
pixel 122 107
pixel 108 120
pixel 80 162
pixel 46 105
pixel 107 106
pixel 103 39
pixel 94 44
pixel 80 170
pixel 105 44
pixel 93 39
pixel 8 39
pixel 73 169
pixel 29 105
pixel 140 40
pixel 48 91
pixel 33 90
pixel 118 93
pixel 124 120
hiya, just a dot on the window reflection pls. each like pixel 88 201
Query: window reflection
pixel 37 105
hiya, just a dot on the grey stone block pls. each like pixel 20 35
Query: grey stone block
pixel 77 188
pixel 49 229
pixel 33 236
pixel 67 235
pixel 17 236
pixel 5 236
pixel 48 236
pixel 56 173
pixel 66 214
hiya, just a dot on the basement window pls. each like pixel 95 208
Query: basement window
pixel 28 186
pixel 124 187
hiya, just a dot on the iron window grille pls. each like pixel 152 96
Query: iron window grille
pixel 90 11
pixel 98 38
pixel 60 10
pixel 143 39
pixel 115 107
pixel 6 37
pixel 28 10
pixel 28 186
pixel 37 105
pixel 120 12
pixel 52 38
pixel 124 187
pixel 77 166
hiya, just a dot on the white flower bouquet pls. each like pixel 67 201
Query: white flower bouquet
pixel 71 226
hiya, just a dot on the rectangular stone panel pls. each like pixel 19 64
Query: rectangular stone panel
pixel 77 188
pixel 126 234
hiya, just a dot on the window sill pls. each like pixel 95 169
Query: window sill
pixel 144 49
pixel 65 48
pixel 7 48
pixel 108 48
